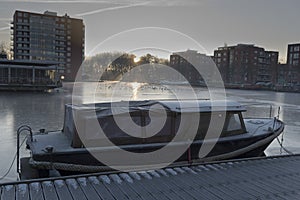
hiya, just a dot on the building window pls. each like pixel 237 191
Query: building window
pixel 295 62
pixel 296 48
pixel 296 55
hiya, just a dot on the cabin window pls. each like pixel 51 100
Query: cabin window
pixel 234 122
pixel 233 125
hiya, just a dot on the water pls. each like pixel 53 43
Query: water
pixel 46 110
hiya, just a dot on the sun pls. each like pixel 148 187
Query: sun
pixel 136 59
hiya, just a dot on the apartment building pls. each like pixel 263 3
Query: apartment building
pixel 246 64
pixel 49 37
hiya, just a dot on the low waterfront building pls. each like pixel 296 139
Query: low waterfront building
pixel 28 75
pixel 188 64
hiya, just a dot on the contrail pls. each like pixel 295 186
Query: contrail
pixel 58 1
pixel 4 28
pixel 111 8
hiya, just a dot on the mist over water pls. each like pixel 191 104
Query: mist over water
pixel 46 110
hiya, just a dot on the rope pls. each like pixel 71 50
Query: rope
pixel 67 166
pixel 282 147
pixel 281 142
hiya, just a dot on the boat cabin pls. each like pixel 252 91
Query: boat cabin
pixel 142 113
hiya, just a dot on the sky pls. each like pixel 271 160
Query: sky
pixel 172 25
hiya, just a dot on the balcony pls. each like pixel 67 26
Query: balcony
pixel 23 53
pixel 60 33
pixel 59 45
pixel 22 29
pixel 60 51
pixel 23 47
pixel 22 23
pixel 23 36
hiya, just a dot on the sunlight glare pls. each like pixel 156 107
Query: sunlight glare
pixel 136 59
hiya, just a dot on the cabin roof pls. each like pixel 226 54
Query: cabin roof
pixel 202 106
pixel 187 106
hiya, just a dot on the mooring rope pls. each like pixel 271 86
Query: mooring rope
pixel 280 142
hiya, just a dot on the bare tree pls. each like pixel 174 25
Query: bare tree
pixel 4 50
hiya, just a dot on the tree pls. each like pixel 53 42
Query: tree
pixel 148 59
pixel 107 64
pixel 113 65
pixel 4 50
pixel 123 63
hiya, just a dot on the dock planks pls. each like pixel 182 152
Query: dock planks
pixel 267 178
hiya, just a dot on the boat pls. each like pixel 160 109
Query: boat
pixel 72 150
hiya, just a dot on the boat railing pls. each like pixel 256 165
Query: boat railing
pixel 20 130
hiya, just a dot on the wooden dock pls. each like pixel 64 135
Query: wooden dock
pixel 266 178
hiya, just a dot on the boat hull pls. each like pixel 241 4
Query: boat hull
pixel 82 161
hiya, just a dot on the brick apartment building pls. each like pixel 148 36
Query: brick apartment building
pixel 289 73
pixel 246 64
pixel 49 37
pixel 293 55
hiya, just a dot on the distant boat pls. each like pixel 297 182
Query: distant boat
pixel 66 152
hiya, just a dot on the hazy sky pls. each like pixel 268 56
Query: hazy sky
pixel 271 24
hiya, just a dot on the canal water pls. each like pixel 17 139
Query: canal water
pixel 46 111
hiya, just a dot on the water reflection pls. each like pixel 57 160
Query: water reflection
pixel 46 110
pixel 135 87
